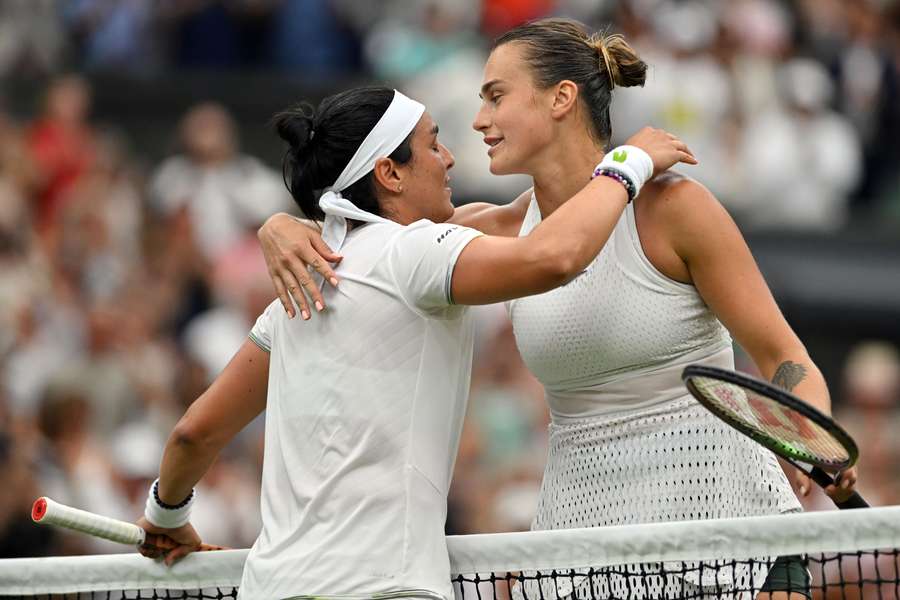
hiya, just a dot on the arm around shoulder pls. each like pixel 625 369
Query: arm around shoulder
pixel 502 220
pixel 495 269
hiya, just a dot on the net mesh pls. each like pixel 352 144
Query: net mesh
pixel 828 555
pixel 800 437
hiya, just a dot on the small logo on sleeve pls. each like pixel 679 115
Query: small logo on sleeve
pixel 444 235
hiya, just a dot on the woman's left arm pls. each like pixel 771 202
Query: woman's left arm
pixel 721 267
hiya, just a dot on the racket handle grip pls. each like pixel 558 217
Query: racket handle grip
pixel 47 512
pixel 824 480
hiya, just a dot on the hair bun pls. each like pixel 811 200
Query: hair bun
pixel 621 63
pixel 295 126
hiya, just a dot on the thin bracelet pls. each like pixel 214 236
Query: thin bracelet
pixel 626 183
pixel 162 504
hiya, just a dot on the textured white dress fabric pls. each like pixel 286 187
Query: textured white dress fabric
pixel 628 444
pixel 364 412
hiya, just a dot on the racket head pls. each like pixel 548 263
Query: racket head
pixel 772 417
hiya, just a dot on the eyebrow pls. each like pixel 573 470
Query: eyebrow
pixel 487 86
pixel 435 129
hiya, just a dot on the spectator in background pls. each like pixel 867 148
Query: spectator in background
pixel 688 89
pixel 31 37
pixel 801 135
pixel 314 39
pixel 426 48
pixel 219 33
pixel 221 193
pixel 498 16
pixel 117 34
pixel 99 225
pixel 871 414
pixel 242 291
pixel 61 143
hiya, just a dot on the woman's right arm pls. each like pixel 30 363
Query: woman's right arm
pixel 491 219
pixel 495 269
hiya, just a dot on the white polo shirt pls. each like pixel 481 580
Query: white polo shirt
pixel 364 412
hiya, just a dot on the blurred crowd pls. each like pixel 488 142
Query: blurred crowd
pixel 126 285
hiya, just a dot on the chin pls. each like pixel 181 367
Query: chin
pixel 445 215
pixel 502 167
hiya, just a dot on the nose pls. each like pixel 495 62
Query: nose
pixel 481 121
pixel 448 157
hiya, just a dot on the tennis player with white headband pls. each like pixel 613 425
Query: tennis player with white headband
pixel 364 405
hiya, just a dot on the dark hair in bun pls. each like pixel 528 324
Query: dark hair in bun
pixel 323 140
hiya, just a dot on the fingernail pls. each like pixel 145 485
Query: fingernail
pixel 305 315
pixel 333 281
pixel 319 306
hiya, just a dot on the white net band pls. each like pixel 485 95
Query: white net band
pixel 842 532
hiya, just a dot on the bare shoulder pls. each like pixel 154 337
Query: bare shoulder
pixel 673 192
pixel 677 217
pixel 681 208
pixel 502 220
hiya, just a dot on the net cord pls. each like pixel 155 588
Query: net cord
pixel 740 539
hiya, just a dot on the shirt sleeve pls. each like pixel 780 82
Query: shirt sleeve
pixel 261 333
pixel 422 258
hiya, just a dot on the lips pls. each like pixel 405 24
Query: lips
pixel 493 142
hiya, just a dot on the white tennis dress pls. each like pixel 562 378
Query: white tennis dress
pixel 363 416
pixel 628 444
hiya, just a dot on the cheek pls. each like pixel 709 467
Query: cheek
pixel 523 128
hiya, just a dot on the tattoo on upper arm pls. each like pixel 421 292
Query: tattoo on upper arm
pixel 788 375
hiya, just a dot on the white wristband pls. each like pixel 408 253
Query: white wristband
pixel 630 162
pixel 167 518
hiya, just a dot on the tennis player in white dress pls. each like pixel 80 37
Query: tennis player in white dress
pixel 364 405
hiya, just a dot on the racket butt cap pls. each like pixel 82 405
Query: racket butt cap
pixel 39 509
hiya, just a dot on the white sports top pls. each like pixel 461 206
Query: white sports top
pixel 628 444
pixel 616 337
pixel 365 407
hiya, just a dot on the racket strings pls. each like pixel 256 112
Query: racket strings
pixel 798 435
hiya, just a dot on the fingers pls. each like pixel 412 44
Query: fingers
pixel 803 483
pixel 283 296
pixel 325 251
pixel 149 550
pixel 846 480
pixel 211 548
pixel 177 553
pixel 688 158
pixel 295 289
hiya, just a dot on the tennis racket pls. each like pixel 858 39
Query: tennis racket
pixel 775 418
pixel 49 512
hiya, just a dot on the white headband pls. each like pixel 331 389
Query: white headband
pixel 394 126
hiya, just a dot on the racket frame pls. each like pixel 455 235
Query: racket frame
pixel 768 390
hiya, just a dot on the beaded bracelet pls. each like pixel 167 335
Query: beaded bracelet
pixel 626 183
pixel 162 504
pixel 167 516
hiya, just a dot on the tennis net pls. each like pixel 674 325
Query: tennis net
pixel 835 554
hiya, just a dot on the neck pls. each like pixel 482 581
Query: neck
pixel 563 169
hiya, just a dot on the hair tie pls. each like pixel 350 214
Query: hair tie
pixel 606 63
